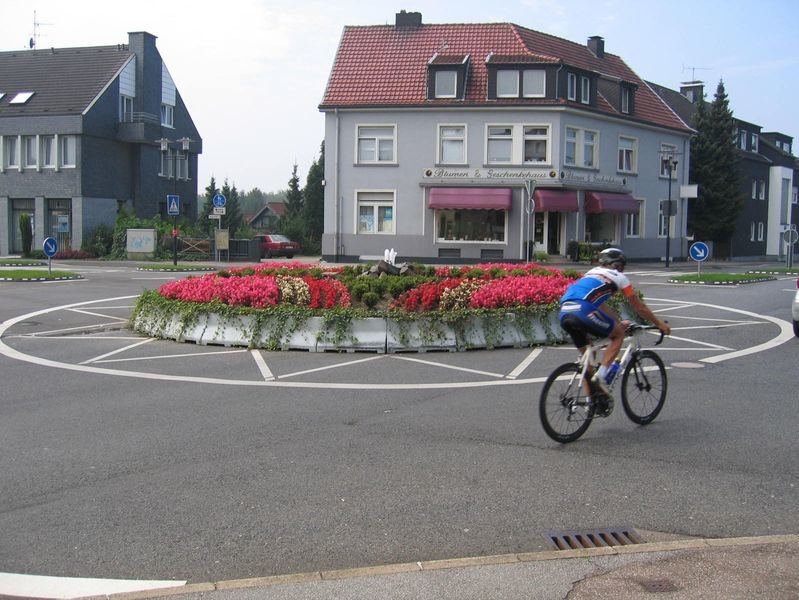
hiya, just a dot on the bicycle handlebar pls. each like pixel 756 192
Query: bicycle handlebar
pixel 633 327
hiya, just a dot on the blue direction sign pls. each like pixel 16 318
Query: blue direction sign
pixel 699 251
pixel 50 246
pixel 219 200
pixel 173 205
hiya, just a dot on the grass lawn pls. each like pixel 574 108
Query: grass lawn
pixel 36 274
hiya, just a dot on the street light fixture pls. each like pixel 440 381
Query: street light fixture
pixel 173 172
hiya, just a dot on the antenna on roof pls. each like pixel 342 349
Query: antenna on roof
pixel 694 70
pixel 34 40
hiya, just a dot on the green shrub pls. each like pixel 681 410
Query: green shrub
pixel 27 234
pixel 370 299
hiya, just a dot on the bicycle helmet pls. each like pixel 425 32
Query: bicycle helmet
pixel 612 256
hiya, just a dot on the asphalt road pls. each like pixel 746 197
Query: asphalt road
pixel 204 471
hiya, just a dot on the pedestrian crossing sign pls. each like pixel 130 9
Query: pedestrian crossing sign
pixel 172 205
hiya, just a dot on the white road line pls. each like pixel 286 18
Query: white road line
pixel 41 586
pixel 94 314
pixel 162 356
pixel 76 338
pixel 262 366
pixel 66 329
pixel 709 345
pixel 738 324
pixel 445 366
pixel 117 351
pixel 336 366
pixel 525 363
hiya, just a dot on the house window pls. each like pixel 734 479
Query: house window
pixel 625 100
pixel 125 109
pixel 11 151
pixel 507 84
pixel 585 95
pixel 752 231
pixel 742 139
pixel 534 83
pixel 67 150
pixel 167 115
pixel 446 83
pixel 627 154
pixel 667 155
pixel 795 199
pixel 499 144
pixel 761 189
pixel 581 147
pixel 760 231
pixel 536 144
pixel 30 151
pixel 376 144
pixel 571 86
pixel 452 144
pixel 375 212
pixel 632 225
pixel 470 225
pixel 755 142
pixel 48 151
pixel 754 189
pixel 663 218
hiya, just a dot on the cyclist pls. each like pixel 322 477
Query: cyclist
pixel 583 310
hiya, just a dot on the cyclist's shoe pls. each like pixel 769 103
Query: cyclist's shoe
pixel 600 383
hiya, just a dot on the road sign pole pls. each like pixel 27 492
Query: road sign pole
pixel 175 242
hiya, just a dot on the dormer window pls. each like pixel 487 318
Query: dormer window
pixel 625 100
pixel 446 76
pixel 517 83
pixel 755 141
pixel 571 92
pixel 507 84
pixel 585 90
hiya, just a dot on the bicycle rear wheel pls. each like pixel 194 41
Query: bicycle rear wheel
pixel 564 409
pixel 643 387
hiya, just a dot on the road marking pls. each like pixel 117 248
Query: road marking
pixel 525 363
pixel 94 314
pixel 163 356
pixel 262 366
pixel 445 366
pixel 42 586
pixel 336 366
pixel 118 351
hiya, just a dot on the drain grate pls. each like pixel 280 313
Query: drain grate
pixel 573 540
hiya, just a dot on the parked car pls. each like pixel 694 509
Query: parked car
pixel 277 245
pixel 795 310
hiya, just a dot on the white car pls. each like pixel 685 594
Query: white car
pixel 795 310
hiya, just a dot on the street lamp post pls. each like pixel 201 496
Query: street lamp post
pixel 671 164
pixel 177 156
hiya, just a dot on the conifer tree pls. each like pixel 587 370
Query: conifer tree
pixel 294 196
pixel 314 206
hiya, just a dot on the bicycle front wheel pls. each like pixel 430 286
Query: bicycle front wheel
pixel 564 409
pixel 643 387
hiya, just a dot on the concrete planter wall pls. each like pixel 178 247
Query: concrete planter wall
pixel 360 335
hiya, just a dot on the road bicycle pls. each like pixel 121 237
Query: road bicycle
pixel 567 408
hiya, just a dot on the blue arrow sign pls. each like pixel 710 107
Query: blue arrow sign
pixel 699 251
pixel 219 200
pixel 50 247
pixel 172 205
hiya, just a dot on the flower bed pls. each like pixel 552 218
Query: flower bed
pixel 299 305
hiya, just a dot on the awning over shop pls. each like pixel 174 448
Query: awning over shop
pixel 607 202
pixel 555 201
pixel 470 198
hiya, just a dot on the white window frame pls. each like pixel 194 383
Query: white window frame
pixel 666 151
pixel 507 77
pixel 585 89
pixel 663 218
pixel 755 142
pixel 167 115
pixel 545 137
pixel 67 150
pixel 498 137
pixel 30 152
pixel 795 197
pixel 760 231
pixel 628 156
pixel 742 135
pixel 444 88
pixel 632 223
pixel 571 86
pixel 11 152
pixel 376 200
pixel 448 133
pixel 752 231
pixel 761 189
pixel 536 80
pixel 125 108
pixel 625 100
pixel 754 188
pixel 369 132
pixel 580 144
pixel 48 150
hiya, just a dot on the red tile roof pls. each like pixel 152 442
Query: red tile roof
pixel 386 66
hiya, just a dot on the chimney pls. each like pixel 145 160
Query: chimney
pixel 408 19
pixel 596 45
pixel 693 90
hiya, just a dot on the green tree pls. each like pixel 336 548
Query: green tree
pixel 314 206
pixel 233 218
pixel 714 166
pixel 294 199
pixel 208 225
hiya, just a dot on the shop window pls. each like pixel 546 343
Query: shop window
pixel 471 225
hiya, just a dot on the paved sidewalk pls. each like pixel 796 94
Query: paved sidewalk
pixel 756 567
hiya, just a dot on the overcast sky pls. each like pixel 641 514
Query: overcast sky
pixel 252 72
